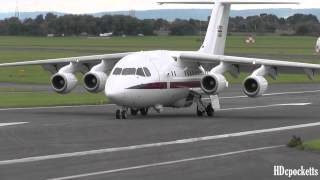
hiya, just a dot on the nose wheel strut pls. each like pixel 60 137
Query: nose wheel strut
pixel 121 114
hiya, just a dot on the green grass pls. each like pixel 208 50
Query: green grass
pixel 32 99
pixel 312 145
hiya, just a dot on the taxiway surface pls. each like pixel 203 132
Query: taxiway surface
pixel 243 141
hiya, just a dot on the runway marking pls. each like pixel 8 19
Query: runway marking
pixel 165 163
pixel 153 145
pixel 232 97
pixel 12 124
pixel 272 94
pixel 266 106
pixel 53 107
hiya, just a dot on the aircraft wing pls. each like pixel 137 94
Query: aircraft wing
pixel 94 59
pixel 250 64
pixel 85 63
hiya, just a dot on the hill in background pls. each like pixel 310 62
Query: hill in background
pixel 171 14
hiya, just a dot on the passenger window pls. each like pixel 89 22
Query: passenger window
pixel 146 70
pixel 129 71
pixel 140 72
pixel 117 71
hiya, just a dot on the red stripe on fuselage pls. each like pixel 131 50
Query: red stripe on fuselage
pixel 163 85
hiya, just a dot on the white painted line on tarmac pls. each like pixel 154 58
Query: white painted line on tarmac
pixel 53 107
pixel 12 124
pixel 274 94
pixel 153 145
pixel 266 106
pixel 79 106
pixel 165 163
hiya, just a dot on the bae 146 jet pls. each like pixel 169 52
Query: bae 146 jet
pixel 138 81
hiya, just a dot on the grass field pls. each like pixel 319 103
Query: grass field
pixel 32 99
pixel 34 48
pixel 312 145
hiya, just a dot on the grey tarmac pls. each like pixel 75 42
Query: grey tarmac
pixel 83 129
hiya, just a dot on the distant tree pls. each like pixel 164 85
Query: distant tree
pixel 308 28
pixel 302 18
pixel 14 26
pixel 182 27
pixel 148 26
pixel 120 24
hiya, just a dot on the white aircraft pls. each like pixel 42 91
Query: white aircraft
pixel 137 81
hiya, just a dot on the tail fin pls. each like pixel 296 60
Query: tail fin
pixel 214 42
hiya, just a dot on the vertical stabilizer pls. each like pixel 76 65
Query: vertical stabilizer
pixel 214 42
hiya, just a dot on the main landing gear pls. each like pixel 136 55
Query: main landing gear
pixel 123 113
pixel 209 110
pixel 206 107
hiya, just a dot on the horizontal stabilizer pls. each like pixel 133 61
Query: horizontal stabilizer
pixel 232 2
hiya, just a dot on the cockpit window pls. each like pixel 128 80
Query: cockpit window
pixel 146 70
pixel 140 72
pixel 129 71
pixel 117 71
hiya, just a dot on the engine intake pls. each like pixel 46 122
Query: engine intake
pixel 64 83
pixel 255 86
pixel 213 83
pixel 95 82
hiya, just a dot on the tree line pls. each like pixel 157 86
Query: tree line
pixel 70 25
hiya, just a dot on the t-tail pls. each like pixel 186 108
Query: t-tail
pixel 215 40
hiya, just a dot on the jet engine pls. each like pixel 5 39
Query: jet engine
pixel 64 83
pixel 213 83
pixel 255 86
pixel 95 82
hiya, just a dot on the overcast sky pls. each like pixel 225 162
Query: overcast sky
pixel 91 6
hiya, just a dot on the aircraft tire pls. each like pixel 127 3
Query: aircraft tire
pixel 144 111
pixel 124 115
pixel 134 112
pixel 210 110
pixel 118 114
pixel 199 113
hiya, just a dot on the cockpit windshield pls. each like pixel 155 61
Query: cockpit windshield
pixel 129 71
pixel 117 71
pixel 144 72
pixel 140 72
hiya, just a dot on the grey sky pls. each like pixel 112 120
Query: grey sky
pixel 90 6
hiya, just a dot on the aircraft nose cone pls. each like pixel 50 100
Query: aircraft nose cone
pixel 114 95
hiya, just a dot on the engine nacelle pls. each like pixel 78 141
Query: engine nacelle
pixel 213 83
pixel 95 82
pixel 64 83
pixel 255 86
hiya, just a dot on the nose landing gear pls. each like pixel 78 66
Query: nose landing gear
pixel 123 113
pixel 144 111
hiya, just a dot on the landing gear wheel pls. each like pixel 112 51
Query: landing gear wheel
pixel 199 113
pixel 134 112
pixel 144 111
pixel 124 115
pixel 210 110
pixel 118 114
